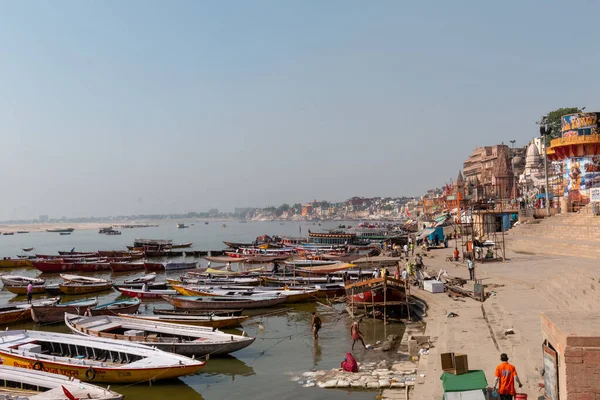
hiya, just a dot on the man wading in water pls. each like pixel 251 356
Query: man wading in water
pixel 316 325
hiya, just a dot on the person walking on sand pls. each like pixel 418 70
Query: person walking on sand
pixel 506 375
pixel 406 250
pixel 471 267
pixel 356 335
pixel 29 292
pixel 316 325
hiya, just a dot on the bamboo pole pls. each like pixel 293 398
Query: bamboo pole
pixel 384 300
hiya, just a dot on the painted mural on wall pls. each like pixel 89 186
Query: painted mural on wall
pixel 581 174
pixel 580 124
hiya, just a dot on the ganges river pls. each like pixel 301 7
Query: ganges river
pixel 284 347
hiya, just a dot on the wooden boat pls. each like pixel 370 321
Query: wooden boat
pixel 142 279
pixel 18 280
pixel 322 269
pixel 17 312
pixel 78 253
pixel 194 253
pixel 174 253
pixel 213 271
pixel 223 302
pixel 223 259
pixel 14 263
pixel 372 291
pixel 171 266
pixel 8 233
pixel 148 294
pixel 182 245
pixel 156 253
pixel 91 266
pixel 154 266
pixel 92 359
pixel 64 233
pixel 310 263
pixel 29 384
pixel 27 249
pixel 51 266
pixel 126 266
pixel 59 230
pixel 22 289
pixel 235 245
pixel 150 285
pixel 48 314
pixel 129 306
pixel 298 281
pixel 181 339
pixel 83 288
pixel 82 279
pixel 220 313
pixel 292 295
pixel 211 321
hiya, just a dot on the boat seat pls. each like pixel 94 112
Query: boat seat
pixel 152 336
pixel 107 327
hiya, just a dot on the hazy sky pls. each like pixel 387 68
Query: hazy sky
pixel 127 107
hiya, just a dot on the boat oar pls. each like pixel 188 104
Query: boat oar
pixel 68 394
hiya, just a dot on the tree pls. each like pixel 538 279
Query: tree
pixel 282 208
pixel 553 121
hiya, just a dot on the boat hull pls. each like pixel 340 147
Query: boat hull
pixel 154 267
pixel 208 321
pixel 20 289
pixel 191 303
pixel 221 313
pixel 15 263
pixel 115 309
pixel 102 375
pixel 53 267
pixel 84 288
pixel 124 267
pixel 158 294
pixel 54 314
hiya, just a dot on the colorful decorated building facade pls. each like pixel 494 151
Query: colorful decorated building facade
pixel 578 150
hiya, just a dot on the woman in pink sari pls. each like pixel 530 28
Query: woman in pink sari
pixel 349 364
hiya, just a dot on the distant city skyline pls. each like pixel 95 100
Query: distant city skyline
pixel 151 107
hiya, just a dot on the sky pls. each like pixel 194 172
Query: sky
pixel 133 107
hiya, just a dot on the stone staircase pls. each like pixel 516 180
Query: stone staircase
pixel 573 234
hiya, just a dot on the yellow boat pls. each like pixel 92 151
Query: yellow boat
pixel 92 359
pixel 174 281
pixel 14 263
pixel 84 288
pixel 23 289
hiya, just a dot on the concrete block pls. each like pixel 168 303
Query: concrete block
pixel 397 385
pixel 343 384
pixel 328 384
pixel 372 384
pixel 357 384
pixel 384 383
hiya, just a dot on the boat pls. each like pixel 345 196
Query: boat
pixel 91 266
pixel 186 340
pixel 64 233
pixel 181 245
pixel 149 285
pixel 8 233
pixel 224 259
pixel 14 263
pixel 82 279
pixel 142 279
pixel 17 280
pixel 376 290
pixel 172 266
pixel 323 269
pixel 152 243
pixel 60 230
pixel 72 253
pixel 83 288
pixel 298 280
pixel 154 266
pixel 92 359
pixel 224 272
pixel 223 302
pixel 22 231
pixel 129 306
pixel 21 311
pixel 52 313
pixel 220 313
pixel 53 266
pixel 27 249
pixel 181 226
pixel 292 295
pixel 195 253
pixel 309 263
pixel 211 321
pixel 29 384
pixel 146 294
pixel 22 289
pixel 126 266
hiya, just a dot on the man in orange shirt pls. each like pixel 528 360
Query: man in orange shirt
pixel 506 374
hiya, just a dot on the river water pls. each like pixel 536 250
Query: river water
pixel 284 347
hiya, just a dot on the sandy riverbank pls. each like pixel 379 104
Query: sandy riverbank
pixel 524 286
pixel 44 227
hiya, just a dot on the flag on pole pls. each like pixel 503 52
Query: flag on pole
pixel 459 198
pixel 406 211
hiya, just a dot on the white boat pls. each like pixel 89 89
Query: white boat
pixel 17 280
pixel 82 279
pixel 142 279
pixel 172 266
pixel 92 359
pixel 181 339
pixel 29 384
pixel 309 263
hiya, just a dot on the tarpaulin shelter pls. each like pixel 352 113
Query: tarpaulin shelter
pixel 469 386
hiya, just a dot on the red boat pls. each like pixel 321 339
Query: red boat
pixel 126 267
pixel 233 254
pixel 53 266
pixel 79 253
pixel 92 266
pixel 154 266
